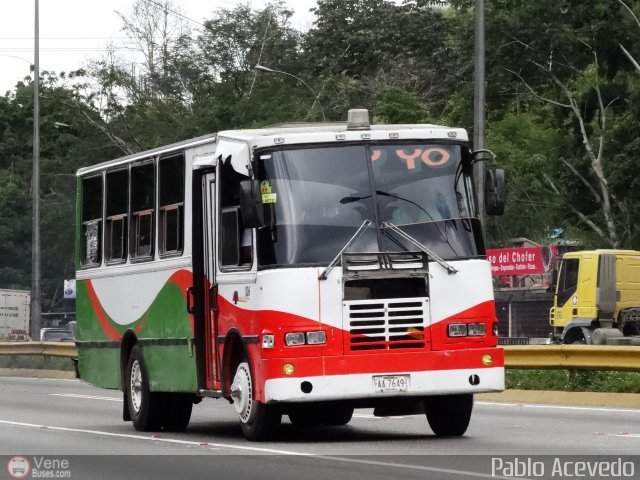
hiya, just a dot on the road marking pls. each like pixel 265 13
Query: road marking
pixel 257 449
pixel 151 438
pixel 561 407
pixel 89 397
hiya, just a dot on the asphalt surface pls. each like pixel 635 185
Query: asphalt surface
pixel 69 419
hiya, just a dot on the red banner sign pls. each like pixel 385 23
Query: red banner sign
pixel 519 261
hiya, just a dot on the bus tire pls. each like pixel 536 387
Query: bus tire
pixel 258 420
pixel 338 417
pixel 307 416
pixel 449 415
pixel 176 411
pixel 145 407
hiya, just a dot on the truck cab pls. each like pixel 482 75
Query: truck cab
pixel 597 298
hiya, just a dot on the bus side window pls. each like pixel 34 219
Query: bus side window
pixel 236 249
pixel 142 211
pixel 91 242
pixel 171 207
pixel 116 219
pixel 230 237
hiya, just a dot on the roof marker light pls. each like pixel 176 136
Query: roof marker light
pixel 358 119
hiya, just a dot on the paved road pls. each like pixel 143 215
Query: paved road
pixel 66 418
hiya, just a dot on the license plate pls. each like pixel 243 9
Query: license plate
pixel 391 383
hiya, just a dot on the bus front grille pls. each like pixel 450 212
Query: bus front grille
pixel 391 324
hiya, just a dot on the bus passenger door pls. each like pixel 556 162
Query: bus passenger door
pixel 211 293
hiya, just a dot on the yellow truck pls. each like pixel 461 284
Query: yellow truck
pixel 597 298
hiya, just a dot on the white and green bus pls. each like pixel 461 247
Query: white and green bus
pixel 302 270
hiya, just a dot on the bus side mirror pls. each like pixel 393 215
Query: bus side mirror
pixel 494 191
pixel 251 204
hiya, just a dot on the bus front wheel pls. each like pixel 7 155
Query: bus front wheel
pixel 145 407
pixel 258 420
pixel 312 416
pixel 449 415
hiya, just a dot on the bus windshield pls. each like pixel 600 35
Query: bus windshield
pixel 316 199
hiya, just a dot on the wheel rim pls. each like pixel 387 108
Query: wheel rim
pixel 242 393
pixel 136 386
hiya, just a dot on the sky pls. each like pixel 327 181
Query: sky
pixel 74 31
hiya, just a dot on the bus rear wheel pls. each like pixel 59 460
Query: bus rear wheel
pixel 449 415
pixel 145 407
pixel 259 421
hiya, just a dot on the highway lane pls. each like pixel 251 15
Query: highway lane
pixel 62 417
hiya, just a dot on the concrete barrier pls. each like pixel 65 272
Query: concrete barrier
pixel 56 356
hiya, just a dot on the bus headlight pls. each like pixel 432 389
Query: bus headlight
pixel 476 329
pixel 457 330
pixel 296 338
pixel 316 338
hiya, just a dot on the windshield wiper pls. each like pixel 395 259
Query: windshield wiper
pixel 429 252
pixel 363 227
pixel 351 199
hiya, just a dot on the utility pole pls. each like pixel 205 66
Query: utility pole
pixel 36 308
pixel 478 107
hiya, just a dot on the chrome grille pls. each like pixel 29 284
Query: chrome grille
pixel 397 323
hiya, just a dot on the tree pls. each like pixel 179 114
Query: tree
pixel 72 143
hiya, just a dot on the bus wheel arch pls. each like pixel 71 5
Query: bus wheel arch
pixel 233 354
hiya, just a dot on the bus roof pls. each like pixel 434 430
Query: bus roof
pixel 148 153
pixel 298 133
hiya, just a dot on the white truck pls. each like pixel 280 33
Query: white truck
pixel 14 315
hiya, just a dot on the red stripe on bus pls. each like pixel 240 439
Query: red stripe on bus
pixel 108 329
pixel 183 279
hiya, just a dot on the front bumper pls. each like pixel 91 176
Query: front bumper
pixel 351 377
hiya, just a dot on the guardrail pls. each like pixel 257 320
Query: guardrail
pixel 601 357
pixel 587 357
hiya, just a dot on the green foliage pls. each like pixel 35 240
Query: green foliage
pixel 535 379
pixel 573 380
pixel 408 63
pixel 63 150
pixel 525 146
pixel 395 105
